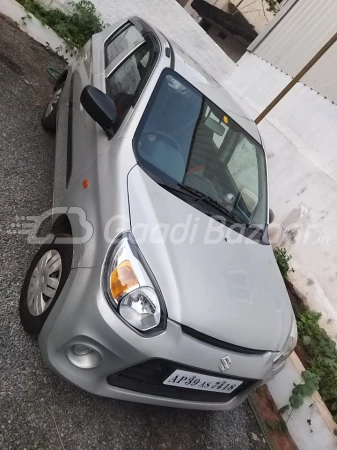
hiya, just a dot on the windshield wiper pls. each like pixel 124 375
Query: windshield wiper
pixel 178 191
pixel 211 201
pixel 200 196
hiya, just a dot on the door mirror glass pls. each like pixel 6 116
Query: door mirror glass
pixel 100 107
pixel 271 216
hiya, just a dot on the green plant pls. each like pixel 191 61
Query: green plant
pixel 273 6
pixel 76 28
pixel 306 388
pixel 282 259
pixel 276 425
pixel 283 409
pixel 323 356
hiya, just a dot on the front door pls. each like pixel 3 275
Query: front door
pixel 116 64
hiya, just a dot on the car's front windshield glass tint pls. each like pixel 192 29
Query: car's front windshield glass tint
pixel 184 138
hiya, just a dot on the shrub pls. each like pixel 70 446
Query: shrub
pixel 323 356
pixel 282 259
pixel 76 28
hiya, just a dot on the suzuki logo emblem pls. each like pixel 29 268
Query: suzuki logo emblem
pixel 225 362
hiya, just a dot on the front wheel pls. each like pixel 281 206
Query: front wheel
pixel 50 113
pixel 43 283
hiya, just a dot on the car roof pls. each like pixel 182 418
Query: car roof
pixel 208 86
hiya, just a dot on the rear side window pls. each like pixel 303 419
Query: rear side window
pixel 125 80
pixel 130 55
pixel 122 43
pixel 122 85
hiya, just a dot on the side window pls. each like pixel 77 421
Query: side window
pixel 124 81
pixel 121 44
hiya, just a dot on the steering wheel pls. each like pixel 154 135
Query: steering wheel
pixel 165 136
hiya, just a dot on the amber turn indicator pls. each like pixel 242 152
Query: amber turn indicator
pixel 122 279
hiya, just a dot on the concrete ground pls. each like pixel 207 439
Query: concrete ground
pixel 38 410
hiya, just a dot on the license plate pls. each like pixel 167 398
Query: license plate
pixel 191 380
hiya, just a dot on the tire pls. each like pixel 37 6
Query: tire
pixel 49 117
pixel 49 275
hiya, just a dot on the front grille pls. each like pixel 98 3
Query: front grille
pixel 220 344
pixel 147 378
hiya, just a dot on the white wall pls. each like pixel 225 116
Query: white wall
pixel 294 39
pixel 301 142
pixel 34 28
pixel 170 18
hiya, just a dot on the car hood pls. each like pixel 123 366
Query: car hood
pixel 231 290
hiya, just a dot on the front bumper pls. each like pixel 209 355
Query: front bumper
pixel 81 315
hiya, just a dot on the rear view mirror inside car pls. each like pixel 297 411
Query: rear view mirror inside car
pixel 215 126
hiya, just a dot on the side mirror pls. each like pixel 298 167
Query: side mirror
pixel 100 107
pixel 271 216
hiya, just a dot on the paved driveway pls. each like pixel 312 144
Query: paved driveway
pixel 38 410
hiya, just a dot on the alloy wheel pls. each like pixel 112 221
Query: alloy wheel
pixel 44 282
pixel 53 101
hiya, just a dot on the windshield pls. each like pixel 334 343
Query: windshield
pixel 184 138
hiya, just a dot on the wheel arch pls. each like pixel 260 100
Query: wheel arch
pixel 61 79
pixel 62 225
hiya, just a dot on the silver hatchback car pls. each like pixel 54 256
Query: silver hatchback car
pixel 157 283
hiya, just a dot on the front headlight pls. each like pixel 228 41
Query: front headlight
pixel 130 287
pixel 288 347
